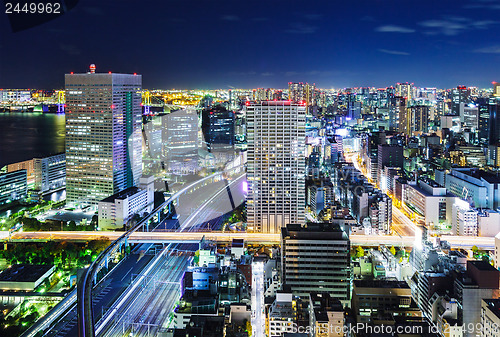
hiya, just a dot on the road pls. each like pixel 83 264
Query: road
pixel 401 224
pixel 145 313
pixel 104 294
pixel 455 241
pixel 229 196
pixel 258 317
pixel 148 308
pixel 209 206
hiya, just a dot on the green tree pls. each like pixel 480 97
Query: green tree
pixel 72 226
pixel 248 327
pixel 97 246
pixel 360 252
pixel 393 250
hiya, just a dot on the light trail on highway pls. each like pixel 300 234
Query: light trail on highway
pixel 147 310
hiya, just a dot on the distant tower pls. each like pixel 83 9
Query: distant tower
pixel 92 68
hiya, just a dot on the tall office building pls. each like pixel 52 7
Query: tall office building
pixel 276 165
pixel 315 257
pixel 419 118
pixel 388 156
pixel 494 121
pixel 469 116
pixel 459 95
pixel 404 116
pixel 181 141
pixel 296 92
pixel 103 135
pixel 406 90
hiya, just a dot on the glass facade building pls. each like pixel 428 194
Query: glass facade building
pixel 103 135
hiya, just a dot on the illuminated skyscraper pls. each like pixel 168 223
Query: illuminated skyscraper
pixel 404 117
pixel 296 92
pixel 180 141
pixel 459 95
pixel 103 135
pixel 406 90
pixel 276 165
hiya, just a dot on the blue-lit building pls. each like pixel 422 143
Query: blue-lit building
pixel 13 186
pixel 494 122
pixel 218 128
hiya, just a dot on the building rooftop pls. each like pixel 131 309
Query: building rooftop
pixel 238 243
pixel 482 265
pixel 24 272
pixel 122 195
pixel 387 283
pixel 493 305
pixel 479 174
pixel 314 231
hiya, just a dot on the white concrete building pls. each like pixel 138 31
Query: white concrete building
pixel 118 209
pixel 488 223
pixel 490 317
pixel 281 315
pixel 480 188
pixel 429 203
pixel 464 219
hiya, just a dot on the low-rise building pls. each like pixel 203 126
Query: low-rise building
pixel 13 186
pixel 479 187
pixel 43 174
pixel 281 315
pixel 118 209
pixel 326 316
pixel 371 297
pixel 490 317
pixel 429 203
pixel 25 277
pixel 488 223
pixel 464 219
pixel 201 304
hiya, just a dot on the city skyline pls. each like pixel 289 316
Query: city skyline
pixel 217 46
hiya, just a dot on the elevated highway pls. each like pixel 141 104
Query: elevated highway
pixel 465 242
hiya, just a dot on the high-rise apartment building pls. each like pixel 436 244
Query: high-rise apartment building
pixel 103 135
pixel 419 118
pixel 296 92
pixel 276 165
pixel 404 116
pixel 406 90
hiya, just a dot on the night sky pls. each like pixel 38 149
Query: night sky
pixel 212 44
